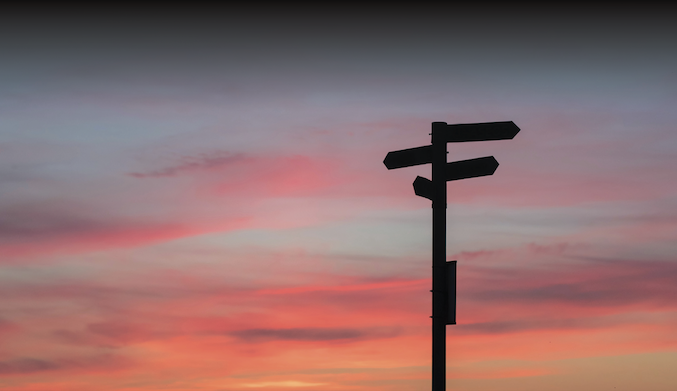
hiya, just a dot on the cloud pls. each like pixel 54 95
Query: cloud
pixel 313 334
pixel 114 334
pixel 186 318
pixel 526 188
pixel 283 383
pixel 34 222
pixel 24 366
pixel 34 233
pixel 200 193
pixel 529 325
pixel 322 172
pixel 389 284
pixel 235 174
pixel 201 162
pixel 33 228
pixel 597 283
pixel 6 326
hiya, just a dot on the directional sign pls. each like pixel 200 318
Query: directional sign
pixel 423 187
pixel 409 157
pixel 484 131
pixel 461 169
pixel 444 273
pixel 471 168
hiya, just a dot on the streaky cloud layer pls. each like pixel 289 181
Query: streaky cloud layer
pixel 195 199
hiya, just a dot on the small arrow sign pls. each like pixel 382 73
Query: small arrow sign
pixel 409 157
pixel 471 168
pixel 423 187
pixel 484 131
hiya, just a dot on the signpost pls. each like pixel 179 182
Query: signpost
pixel 444 273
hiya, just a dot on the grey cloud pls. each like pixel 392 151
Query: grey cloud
pixel 30 222
pixel 313 334
pixel 36 365
pixel 192 163
pixel 590 284
pixel 26 365
pixel 516 326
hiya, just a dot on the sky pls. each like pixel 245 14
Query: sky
pixel 195 199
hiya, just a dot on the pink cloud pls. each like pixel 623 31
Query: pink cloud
pixel 222 190
pixel 29 233
pixel 208 192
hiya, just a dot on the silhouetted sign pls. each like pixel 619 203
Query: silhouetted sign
pixel 423 187
pixel 451 292
pixel 409 157
pixel 484 131
pixel 444 273
pixel 471 168
pixel 461 169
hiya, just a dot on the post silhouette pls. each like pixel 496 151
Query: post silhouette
pixel 439 201
pixel 444 273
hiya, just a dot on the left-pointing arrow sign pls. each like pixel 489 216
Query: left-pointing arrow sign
pixel 409 157
pixel 423 187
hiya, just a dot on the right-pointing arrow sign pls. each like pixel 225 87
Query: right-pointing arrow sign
pixel 461 169
pixel 471 168
pixel 484 131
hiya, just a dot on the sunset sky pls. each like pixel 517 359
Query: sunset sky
pixel 196 199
